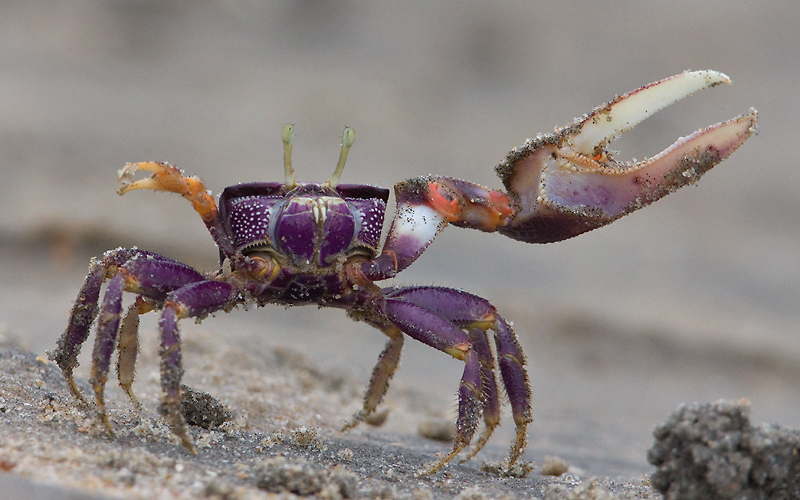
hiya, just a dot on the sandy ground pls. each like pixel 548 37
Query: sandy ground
pixel 693 299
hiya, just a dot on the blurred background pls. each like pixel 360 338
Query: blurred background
pixel 693 299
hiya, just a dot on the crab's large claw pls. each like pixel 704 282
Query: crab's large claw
pixel 566 183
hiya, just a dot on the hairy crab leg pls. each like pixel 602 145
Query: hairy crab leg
pixel 86 307
pixel 477 316
pixel 381 374
pixel 489 395
pixel 128 345
pixel 105 342
pixel 148 275
pixel 439 333
pixel 168 178
pixel 81 318
pixel 194 300
pixel 511 361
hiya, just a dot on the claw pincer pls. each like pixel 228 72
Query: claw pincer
pixel 320 243
pixel 565 183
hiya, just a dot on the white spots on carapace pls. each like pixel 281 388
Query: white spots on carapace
pixel 248 219
pixel 369 224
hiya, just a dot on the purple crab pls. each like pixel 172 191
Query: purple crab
pixel 298 243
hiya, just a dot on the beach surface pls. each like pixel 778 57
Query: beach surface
pixel 694 299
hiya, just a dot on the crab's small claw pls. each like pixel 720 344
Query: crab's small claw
pixel 566 183
pixel 169 178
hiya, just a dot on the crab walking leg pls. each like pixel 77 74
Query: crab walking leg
pixel 128 345
pixel 147 274
pixel 381 375
pixel 80 321
pixel 512 361
pixel 168 178
pixel 193 300
pixel 105 342
pixel 86 306
pixel 491 402
pixel 171 374
pixel 435 331
pixel 477 315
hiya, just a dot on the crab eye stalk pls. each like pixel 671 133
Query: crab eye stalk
pixel 348 137
pixel 287 134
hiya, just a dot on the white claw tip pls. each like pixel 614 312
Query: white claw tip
pixel 625 112
pixel 717 77
pixel 707 78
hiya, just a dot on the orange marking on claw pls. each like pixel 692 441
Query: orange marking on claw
pixel 501 203
pixel 449 208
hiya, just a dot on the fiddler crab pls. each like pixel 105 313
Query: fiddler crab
pixel 297 243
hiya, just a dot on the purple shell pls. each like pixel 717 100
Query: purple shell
pixel 311 224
